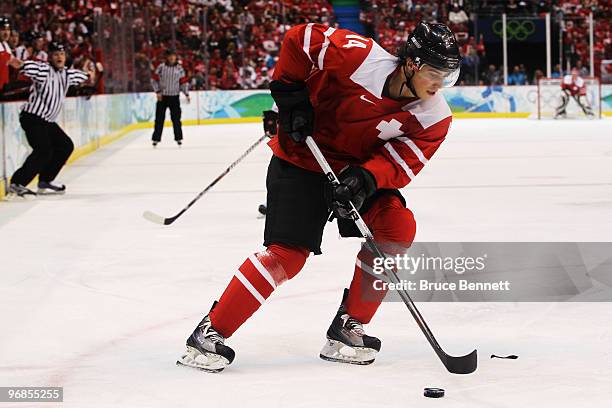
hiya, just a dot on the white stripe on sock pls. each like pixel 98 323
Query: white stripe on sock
pixel 262 270
pixel 250 287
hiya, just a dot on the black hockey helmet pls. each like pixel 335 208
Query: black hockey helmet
pixel 433 44
pixel 35 35
pixel 5 22
pixel 56 46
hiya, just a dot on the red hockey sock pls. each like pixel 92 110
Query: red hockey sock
pixel 394 228
pixel 363 299
pixel 253 283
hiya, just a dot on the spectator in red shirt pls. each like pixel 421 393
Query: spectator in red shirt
pixel 229 77
pixel 213 78
pixel 216 61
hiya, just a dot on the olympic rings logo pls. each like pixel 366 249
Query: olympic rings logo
pixel 518 30
pixel 548 98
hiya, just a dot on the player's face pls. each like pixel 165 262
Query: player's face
pixel 58 59
pixel 427 81
pixel 5 33
pixel 38 44
pixel 14 39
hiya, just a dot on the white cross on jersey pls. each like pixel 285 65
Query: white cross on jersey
pixel 389 130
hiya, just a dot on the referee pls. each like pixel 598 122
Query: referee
pixel 51 146
pixel 168 80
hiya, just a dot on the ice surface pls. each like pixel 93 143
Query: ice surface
pixel 98 300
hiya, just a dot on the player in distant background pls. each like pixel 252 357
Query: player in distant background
pixel 5 51
pixel 34 51
pixel 573 86
pixel 378 119
pixel 270 125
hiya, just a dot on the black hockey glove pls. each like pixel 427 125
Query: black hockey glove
pixel 269 123
pixel 356 184
pixel 295 112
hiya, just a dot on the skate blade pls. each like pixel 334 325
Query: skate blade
pixel 45 192
pixel 17 198
pixel 339 352
pixel 209 362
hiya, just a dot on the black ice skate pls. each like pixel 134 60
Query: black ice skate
pixel 347 342
pixel 155 144
pixel 205 349
pixel 179 143
pixel 45 188
pixel 17 190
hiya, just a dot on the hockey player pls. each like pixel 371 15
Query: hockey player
pixel 270 125
pixel 573 86
pixel 35 51
pixel 378 119
pixel 5 51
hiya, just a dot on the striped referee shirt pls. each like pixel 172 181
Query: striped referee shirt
pixel 49 88
pixel 170 80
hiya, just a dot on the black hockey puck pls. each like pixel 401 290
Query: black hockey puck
pixel 262 209
pixel 434 392
pixel 510 357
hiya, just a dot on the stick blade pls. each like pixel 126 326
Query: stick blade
pixel 461 365
pixel 154 218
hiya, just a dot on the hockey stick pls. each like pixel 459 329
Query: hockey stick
pixel 456 365
pixel 158 219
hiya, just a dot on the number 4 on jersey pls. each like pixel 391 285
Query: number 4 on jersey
pixel 355 41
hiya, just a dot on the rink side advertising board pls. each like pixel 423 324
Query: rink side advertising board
pixel 94 122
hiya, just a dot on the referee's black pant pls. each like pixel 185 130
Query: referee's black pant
pixel 173 103
pixel 51 147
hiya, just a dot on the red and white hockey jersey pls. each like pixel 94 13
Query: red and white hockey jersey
pixel 354 123
pixel 23 53
pixel 574 84
pixel 5 55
